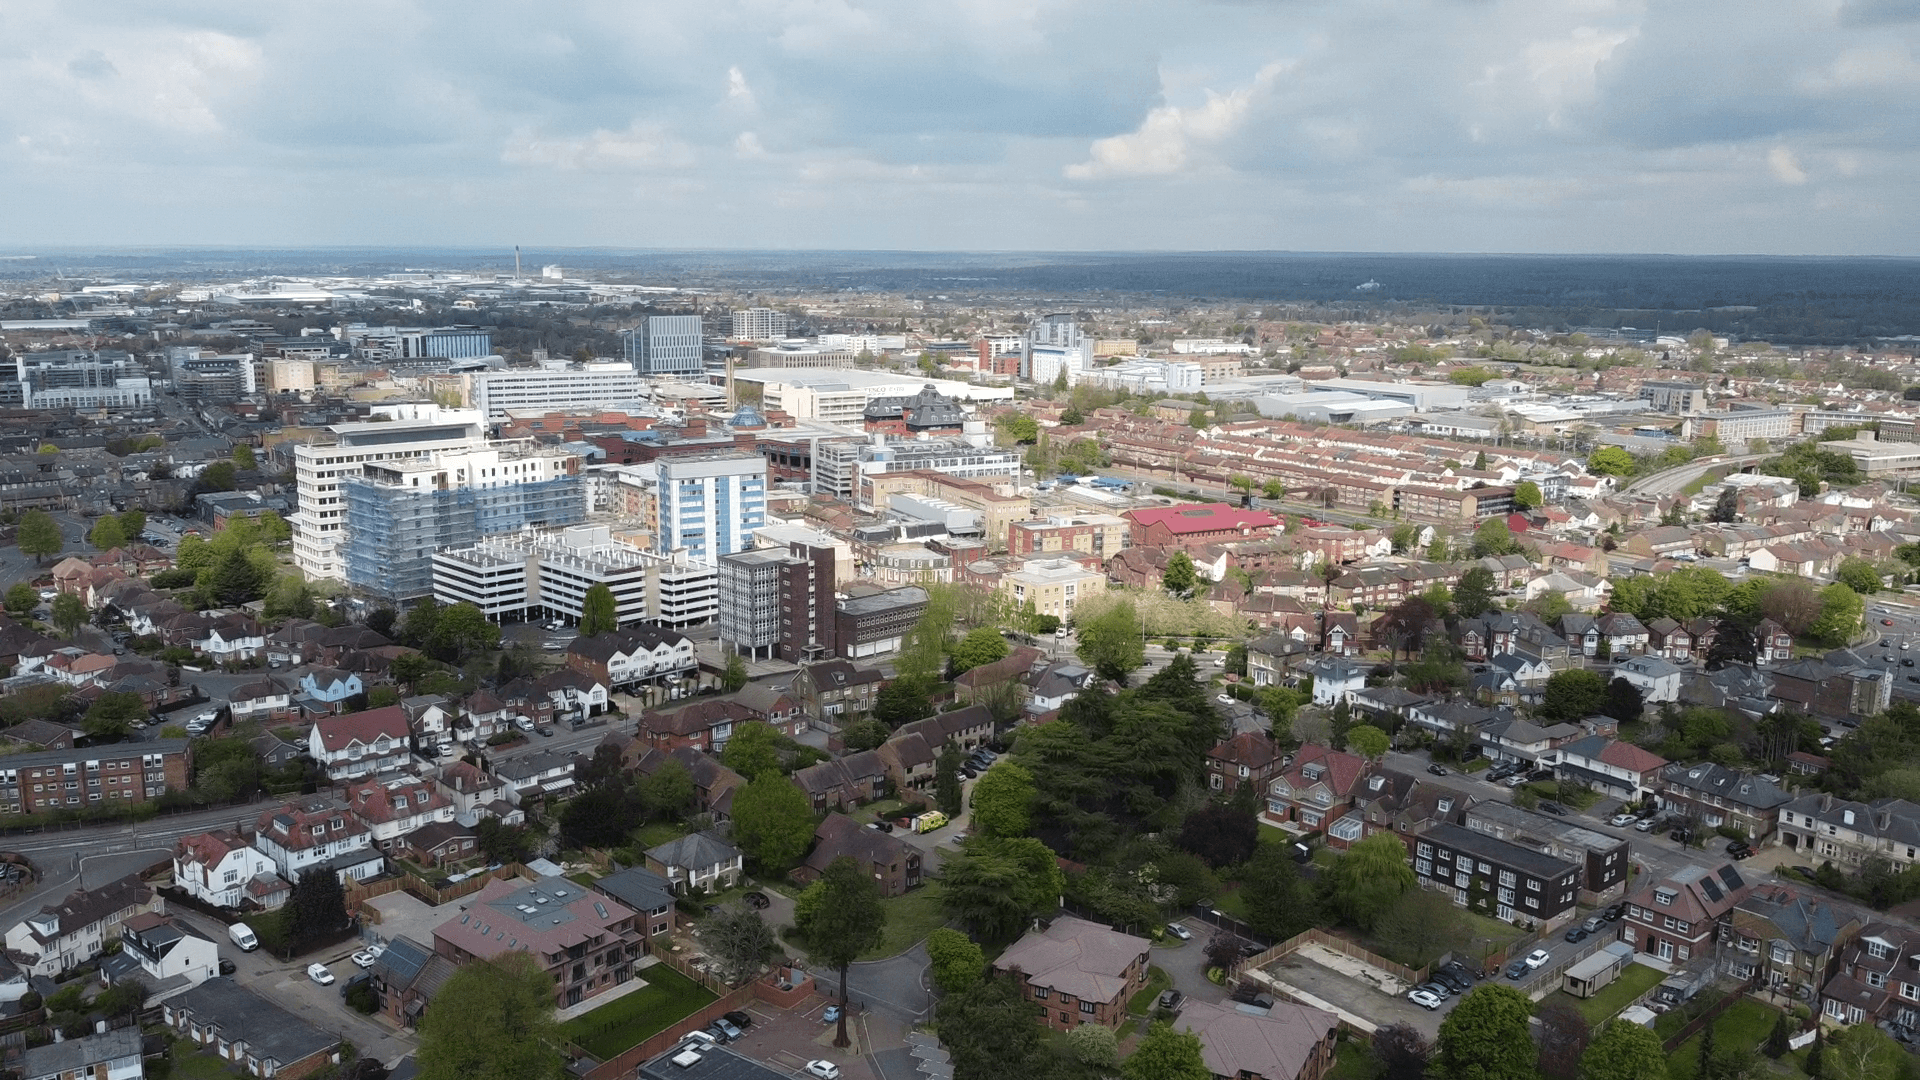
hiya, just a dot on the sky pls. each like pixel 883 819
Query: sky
pixel 1558 126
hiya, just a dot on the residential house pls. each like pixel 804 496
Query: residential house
pixel 359 744
pixel 65 935
pixel 406 976
pixel 1618 769
pixel 1833 692
pixel 1078 972
pixel 833 688
pixel 221 869
pixel 1848 833
pixel 1250 757
pixel 438 843
pixel 1387 707
pixel 1658 680
pixel 893 863
pixel 1623 634
pixel 266 699
pixel 1669 640
pixel 1285 1042
pixel 1676 917
pixel 393 807
pixel 697 861
pixel 1305 796
pixel 240 1027
pixel 1509 881
pixel 1788 938
pixel 117 1054
pixel 323 689
pixel 587 941
pixel 1267 658
pixel 1720 797
pixel 1056 685
pixel 1877 978
pixel 165 953
pixel 627 657
pixel 1391 801
pixel 475 794
pixel 1582 634
pixel 543 774
pixel 844 781
pixel 317 834
pixel 1772 643
pixel 649 896
pixel 429 716
pixel 702 724
pixel 1335 679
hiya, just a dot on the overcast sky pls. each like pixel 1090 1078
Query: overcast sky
pixel 1698 126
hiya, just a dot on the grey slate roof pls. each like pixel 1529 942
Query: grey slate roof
pixel 1747 790
pixel 240 1015
pixel 694 850
pixel 637 887
pixel 74 1055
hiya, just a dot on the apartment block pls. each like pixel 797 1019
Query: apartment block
pixel 1513 881
pixel 667 345
pixel 1099 535
pixel 709 505
pixel 586 940
pixel 523 575
pixel 47 780
pixel 596 385
pixel 1052 586
pixel 779 602
pixel 759 324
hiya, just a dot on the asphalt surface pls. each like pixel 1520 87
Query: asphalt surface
pixel 1672 480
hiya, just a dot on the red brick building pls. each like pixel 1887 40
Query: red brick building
pixel 1196 524
pixel 68 779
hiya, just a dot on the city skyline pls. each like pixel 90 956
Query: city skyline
pixel 1580 126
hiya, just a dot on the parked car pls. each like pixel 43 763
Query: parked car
pixel 226 966
pixel 831 1014
pixel 1548 806
pixel 363 959
pixel 1423 999
pixel 1169 1001
pixel 727 1028
pixel 1648 824
pixel 1615 911
pixel 738 1018
pixel 1681 836
pixel 1538 958
pixel 1518 969
pixel 1619 820
pixel 1740 849
pixel 698 1039
pixel 1436 988
pixel 1451 981
pixel 1437 770
pixel 1574 934
pixel 319 973
pixel 823 1070
pixel 1179 931
pixel 757 900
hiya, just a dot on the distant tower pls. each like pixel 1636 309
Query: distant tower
pixel 516 262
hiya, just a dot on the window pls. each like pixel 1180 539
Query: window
pixel 1423 867
pixel 1039 993
pixel 1878 950
pixel 1876 979
pixel 1910 991
pixel 1087 1007
pixel 1507 878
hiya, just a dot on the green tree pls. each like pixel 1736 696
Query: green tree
pixel 993 1032
pixel 740 939
pixel 1493 538
pixel 1369 878
pixel 1573 695
pixel 236 578
pixel 1166 1054
pixel 1368 741
pixel 1726 507
pixel 1273 488
pixel 668 791
pixel 133 523
pixel 1623 1051
pixel 216 477
pixel 1841 611
pixel 1180 578
pixel 1197 418
pixel 982 645
pixel 1474 595
pixel 1422 926
pixel 1858 574
pixel 1003 800
pixel 1486 1037
pixel 772 822
pixel 1019 427
pixel 902 701
pixel 735 675
pixel 69 613
pixel 845 920
pixel 957 960
pixel 1095 1047
pixel 107 534
pixel 460 630
pixel 1863 1052
pixel 1624 701
pixel 316 906
pixel 598 612
pixel 492 1020
pixel 37 535
pixel 112 714
pixel 753 751
pixel 242 456
pixel 996 885
pixel 1112 642
pixel 1526 495
pixel 946 779
pixel 1610 461
pixel 1280 903
pixel 1403 537
pixel 21 600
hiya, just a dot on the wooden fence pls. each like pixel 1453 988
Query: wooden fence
pixel 1317 936
pixel 1710 1014
pixel 427 892
pixel 629 1061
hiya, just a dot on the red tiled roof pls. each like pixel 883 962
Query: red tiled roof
pixel 340 732
pixel 1203 517
pixel 1628 756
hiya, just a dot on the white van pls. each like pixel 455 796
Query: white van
pixel 242 935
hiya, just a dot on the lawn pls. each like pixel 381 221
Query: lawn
pixel 1635 980
pixel 1142 1003
pixel 1232 903
pixel 612 1028
pixel 1746 1025
pixel 1353 1061
pixel 189 1065
pixel 910 918
pixel 655 833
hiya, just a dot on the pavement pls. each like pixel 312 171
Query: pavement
pixel 897 985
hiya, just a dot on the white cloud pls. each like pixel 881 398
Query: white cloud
pixel 1785 166
pixel 747 145
pixel 1162 141
pixel 737 89
pixel 642 146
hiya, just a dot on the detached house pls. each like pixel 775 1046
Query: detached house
pixel 893 863
pixel 359 744
pixel 317 835
pixel 836 687
pixel 1305 796
pixel 1078 972
pixel 166 954
pixel 1619 769
pixel 1248 758
pixel 391 809
pixel 1789 939
pixel 697 861
pixel 221 869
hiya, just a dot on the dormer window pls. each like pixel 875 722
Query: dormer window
pixel 1846 817
pixel 1664 897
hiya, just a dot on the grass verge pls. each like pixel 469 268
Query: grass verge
pixel 612 1028
pixel 910 918
pixel 1142 1002
pixel 1745 1025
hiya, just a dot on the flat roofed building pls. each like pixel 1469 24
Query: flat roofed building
pixel 586 940
pixel 1053 586
pixel 1513 881
pixel 595 385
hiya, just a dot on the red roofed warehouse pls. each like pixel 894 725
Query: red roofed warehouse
pixel 1196 524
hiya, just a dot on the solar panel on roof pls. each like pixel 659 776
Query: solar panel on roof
pixel 1712 890
pixel 1732 877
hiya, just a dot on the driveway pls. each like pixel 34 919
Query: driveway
pixel 1186 965
pixel 898 985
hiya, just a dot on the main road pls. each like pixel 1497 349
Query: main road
pixel 1672 480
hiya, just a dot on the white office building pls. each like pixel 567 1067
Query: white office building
pixel 1056 344
pixel 548 573
pixel 590 386
pixel 709 505
pixel 1148 376
pixel 759 324
pixel 408 431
